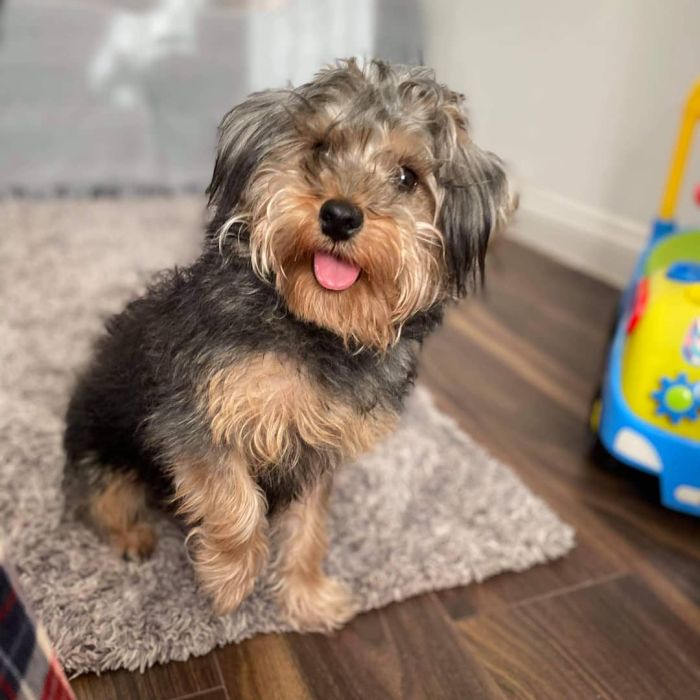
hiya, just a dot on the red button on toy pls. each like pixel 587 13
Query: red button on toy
pixel 641 295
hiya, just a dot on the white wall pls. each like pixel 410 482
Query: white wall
pixel 584 99
pixel 292 40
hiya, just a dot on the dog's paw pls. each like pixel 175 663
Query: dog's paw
pixel 228 577
pixel 321 605
pixel 229 594
pixel 135 543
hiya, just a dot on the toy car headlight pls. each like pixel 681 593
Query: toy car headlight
pixel 635 447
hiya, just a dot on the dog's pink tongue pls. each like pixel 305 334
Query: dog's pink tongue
pixel 334 273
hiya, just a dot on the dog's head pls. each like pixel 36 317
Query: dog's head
pixel 359 195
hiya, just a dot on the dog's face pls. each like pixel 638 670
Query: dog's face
pixel 359 195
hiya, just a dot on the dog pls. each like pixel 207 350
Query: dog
pixel 343 216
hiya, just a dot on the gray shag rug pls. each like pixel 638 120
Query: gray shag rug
pixel 429 509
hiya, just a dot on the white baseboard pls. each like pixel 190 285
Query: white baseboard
pixel 591 240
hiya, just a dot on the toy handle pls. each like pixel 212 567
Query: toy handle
pixel 680 156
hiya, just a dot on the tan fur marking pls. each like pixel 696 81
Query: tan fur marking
pixel 118 512
pixel 267 406
pixel 229 535
pixel 311 600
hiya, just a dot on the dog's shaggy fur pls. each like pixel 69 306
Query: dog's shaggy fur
pixel 235 387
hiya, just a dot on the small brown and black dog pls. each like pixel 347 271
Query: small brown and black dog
pixel 344 215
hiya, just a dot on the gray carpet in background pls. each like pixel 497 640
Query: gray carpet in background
pixel 429 509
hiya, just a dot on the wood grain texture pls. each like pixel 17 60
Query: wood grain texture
pixel 618 618
pixel 172 680
pixel 612 640
pixel 263 667
pixel 409 650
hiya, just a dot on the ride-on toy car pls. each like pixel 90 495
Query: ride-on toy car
pixel 647 414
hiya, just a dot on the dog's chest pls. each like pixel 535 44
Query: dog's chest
pixel 270 410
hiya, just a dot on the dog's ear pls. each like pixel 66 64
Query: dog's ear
pixel 476 201
pixel 246 135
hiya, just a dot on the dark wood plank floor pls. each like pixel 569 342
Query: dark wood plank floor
pixel 618 618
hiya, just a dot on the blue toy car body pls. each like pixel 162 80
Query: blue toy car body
pixel 631 434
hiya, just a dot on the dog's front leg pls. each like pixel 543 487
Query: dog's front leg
pixel 310 599
pixel 227 512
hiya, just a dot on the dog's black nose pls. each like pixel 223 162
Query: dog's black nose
pixel 340 219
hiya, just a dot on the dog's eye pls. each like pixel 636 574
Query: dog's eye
pixel 406 179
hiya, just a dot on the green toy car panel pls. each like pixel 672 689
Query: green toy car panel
pixel 682 246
